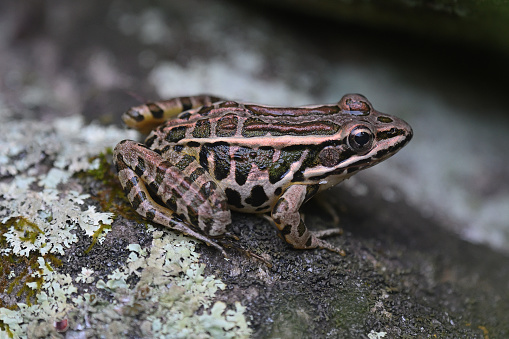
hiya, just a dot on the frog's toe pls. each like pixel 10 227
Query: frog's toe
pixel 219 247
pixel 330 247
pixel 328 232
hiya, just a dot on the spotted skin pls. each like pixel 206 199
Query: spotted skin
pixel 204 157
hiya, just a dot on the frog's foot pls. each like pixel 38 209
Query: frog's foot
pixel 328 233
pixel 207 241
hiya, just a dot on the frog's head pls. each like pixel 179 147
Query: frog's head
pixel 366 138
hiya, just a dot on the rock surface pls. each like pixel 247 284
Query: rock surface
pixel 426 232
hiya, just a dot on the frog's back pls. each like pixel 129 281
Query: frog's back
pixel 253 125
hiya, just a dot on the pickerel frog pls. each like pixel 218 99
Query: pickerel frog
pixel 206 156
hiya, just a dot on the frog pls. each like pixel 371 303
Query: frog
pixel 205 157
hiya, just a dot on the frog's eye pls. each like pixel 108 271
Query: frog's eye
pixel 360 139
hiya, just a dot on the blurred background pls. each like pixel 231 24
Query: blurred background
pixel 440 65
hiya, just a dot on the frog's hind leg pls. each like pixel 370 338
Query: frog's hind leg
pixel 141 176
pixel 146 117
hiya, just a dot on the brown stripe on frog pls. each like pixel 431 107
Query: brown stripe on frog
pixel 208 223
pixel 229 104
pixel 311 160
pixel 150 140
pixel 256 127
pixel 188 203
pixel 135 114
pixel 226 126
pixel 242 160
pixel 150 214
pixel 391 149
pixel 203 157
pixel 120 163
pixel 292 111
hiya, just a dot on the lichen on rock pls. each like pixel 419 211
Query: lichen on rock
pixel 161 291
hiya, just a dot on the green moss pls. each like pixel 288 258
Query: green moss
pixel 97 234
pixel 102 169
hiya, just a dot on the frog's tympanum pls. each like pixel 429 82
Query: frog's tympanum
pixel 206 156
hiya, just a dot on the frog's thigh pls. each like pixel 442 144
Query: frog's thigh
pixel 197 201
pixel 287 218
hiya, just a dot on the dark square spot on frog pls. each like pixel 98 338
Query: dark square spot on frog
pixel 171 203
pixel 140 167
pixel 150 141
pixel 208 188
pixel 135 115
pixel 286 230
pixel 202 129
pixel 257 197
pixel 176 134
pixel 129 184
pixel 233 197
pixel 138 199
pixel 150 215
pixel 184 162
pixel 156 111
pixel 205 110
pixel 193 216
pixel 196 174
pixel 186 103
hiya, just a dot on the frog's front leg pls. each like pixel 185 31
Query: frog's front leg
pixel 287 218
pixel 188 199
